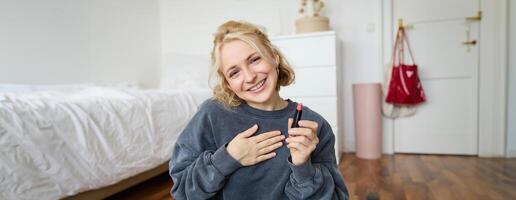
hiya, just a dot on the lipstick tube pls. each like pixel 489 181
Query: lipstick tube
pixel 297 115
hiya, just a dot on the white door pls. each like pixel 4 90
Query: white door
pixel 447 122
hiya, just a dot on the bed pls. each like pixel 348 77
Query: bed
pixel 87 141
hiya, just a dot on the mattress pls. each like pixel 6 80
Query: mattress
pixel 57 143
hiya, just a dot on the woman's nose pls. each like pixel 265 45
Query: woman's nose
pixel 250 76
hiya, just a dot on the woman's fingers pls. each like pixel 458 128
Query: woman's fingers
pixel 270 141
pixel 265 157
pixel 249 132
pixel 299 146
pixel 270 144
pixel 302 141
pixel 299 139
pixel 308 124
pixel 302 132
pixel 265 136
pixel 270 148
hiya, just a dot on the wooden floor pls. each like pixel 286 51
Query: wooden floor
pixel 157 188
pixel 398 177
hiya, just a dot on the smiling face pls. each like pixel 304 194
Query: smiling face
pixel 249 75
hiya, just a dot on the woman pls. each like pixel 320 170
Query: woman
pixel 233 148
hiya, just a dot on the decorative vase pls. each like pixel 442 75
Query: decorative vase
pixel 312 24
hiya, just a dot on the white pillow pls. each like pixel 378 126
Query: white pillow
pixel 185 71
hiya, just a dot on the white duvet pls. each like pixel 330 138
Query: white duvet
pixel 58 143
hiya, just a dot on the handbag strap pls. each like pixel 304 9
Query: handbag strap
pixel 405 38
pixel 398 52
pixel 399 39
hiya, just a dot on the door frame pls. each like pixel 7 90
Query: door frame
pixel 492 72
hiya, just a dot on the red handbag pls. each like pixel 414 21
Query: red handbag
pixel 405 86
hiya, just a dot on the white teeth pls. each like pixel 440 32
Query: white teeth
pixel 257 85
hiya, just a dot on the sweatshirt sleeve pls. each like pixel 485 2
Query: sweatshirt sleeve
pixel 318 178
pixel 198 169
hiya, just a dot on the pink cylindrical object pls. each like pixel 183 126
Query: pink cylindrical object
pixel 367 98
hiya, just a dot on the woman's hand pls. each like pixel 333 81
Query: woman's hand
pixel 251 150
pixel 302 141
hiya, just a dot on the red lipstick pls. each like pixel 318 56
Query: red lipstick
pixel 297 115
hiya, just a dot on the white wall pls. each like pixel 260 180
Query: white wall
pixel 61 41
pixel 124 41
pixel 353 20
pixel 187 27
pixel 511 107
pixel 43 41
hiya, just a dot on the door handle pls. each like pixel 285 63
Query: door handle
pixel 477 17
pixel 471 42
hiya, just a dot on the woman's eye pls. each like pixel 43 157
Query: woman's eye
pixel 255 60
pixel 233 73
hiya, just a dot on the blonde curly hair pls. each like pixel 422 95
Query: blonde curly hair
pixel 258 40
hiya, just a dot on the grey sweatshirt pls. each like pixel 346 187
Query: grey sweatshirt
pixel 201 167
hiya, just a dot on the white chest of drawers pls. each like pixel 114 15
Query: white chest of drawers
pixel 314 59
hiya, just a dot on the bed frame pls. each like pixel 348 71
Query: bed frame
pixel 107 191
